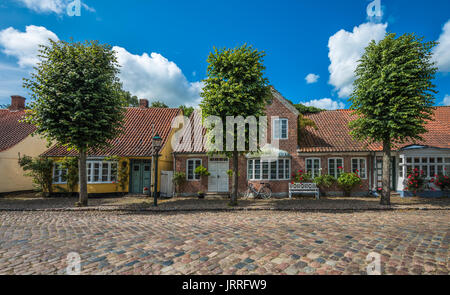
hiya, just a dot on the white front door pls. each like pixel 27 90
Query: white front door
pixel 218 180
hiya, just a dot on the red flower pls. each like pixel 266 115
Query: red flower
pixel 340 167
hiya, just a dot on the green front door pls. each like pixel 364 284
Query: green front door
pixel 140 175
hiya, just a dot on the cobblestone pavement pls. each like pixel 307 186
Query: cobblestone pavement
pixel 262 242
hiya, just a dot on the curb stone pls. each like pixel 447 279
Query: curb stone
pixel 157 210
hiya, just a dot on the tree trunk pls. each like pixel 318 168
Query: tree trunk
pixel 386 192
pixel 234 195
pixel 83 179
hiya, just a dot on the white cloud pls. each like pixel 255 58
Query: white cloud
pixel 25 45
pixel 447 100
pixel 51 6
pixel 345 50
pixel 156 78
pixel 442 51
pixel 312 78
pixel 153 77
pixel 325 103
pixel 44 6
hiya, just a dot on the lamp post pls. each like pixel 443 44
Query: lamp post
pixel 156 143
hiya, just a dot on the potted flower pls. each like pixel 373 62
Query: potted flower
pixel 324 182
pixel 442 181
pixel 348 181
pixel 302 177
pixel 146 191
pixel 201 195
pixel 179 178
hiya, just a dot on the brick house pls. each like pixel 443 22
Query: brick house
pixel 317 151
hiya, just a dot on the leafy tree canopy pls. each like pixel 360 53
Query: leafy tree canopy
pixel 187 111
pixel 77 99
pixel 393 91
pixel 236 85
pixel 158 104
pixel 131 100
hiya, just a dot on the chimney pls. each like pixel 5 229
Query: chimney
pixel 143 103
pixel 17 103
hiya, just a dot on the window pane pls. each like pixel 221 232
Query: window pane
pixel 408 160
pixel 105 168
pixel 439 160
pixel 440 170
pixel 96 172
pixel 287 169
pixel 276 129
pixel 284 129
pixel 425 160
pixel 281 169
pixel 432 160
pixel 447 160
pixel 257 169
pixel 416 160
pixel 265 173
pixel 250 169
pixel 190 169
pixel 273 170
pixel 432 171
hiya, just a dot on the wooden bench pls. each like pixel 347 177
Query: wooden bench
pixel 300 188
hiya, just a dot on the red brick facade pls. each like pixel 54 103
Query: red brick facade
pixel 279 108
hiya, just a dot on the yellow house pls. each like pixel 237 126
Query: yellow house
pixel 15 141
pixel 126 165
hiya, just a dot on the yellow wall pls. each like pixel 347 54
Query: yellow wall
pixel 97 188
pixel 165 163
pixel 12 177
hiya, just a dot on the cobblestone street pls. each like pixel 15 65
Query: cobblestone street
pixel 262 242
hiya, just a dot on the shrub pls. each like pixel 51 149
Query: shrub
pixel 348 181
pixel 179 178
pixel 301 177
pixel 415 181
pixel 41 170
pixel 442 181
pixel 72 177
pixel 202 171
pixel 324 182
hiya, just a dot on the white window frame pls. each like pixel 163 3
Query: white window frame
pixel 90 171
pixel 359 167
pixel 280 129
pixel 286 173
pixel 196 177
pixel 335 166
pixel 57 167
pixel 313 174
pixel 426 166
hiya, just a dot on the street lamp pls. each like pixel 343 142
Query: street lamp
pixel 156 144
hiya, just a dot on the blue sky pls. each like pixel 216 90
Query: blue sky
pixel 163 45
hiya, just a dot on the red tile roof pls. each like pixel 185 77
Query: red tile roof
pixel 11 130
pixel 332 134
pixel 136 141
pixel 189 142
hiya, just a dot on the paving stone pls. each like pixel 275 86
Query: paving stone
pixel 256 242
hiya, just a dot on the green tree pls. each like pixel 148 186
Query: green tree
pixel 307 109
pixel 187 111
pixel 77 99
pixel 41 170
pixel 158 104
pixel 131 100
pixel 393 95
pixel 235 86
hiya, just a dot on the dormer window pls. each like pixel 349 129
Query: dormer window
pixel 280 128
